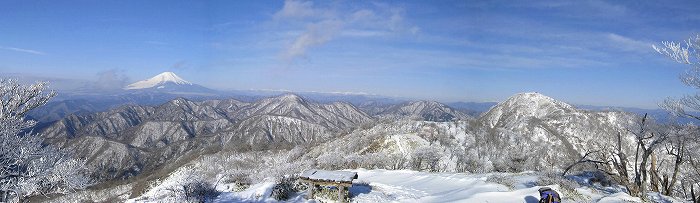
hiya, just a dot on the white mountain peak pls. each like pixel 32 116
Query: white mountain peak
pixel 535 97
pixel 289 96
pixel 157 80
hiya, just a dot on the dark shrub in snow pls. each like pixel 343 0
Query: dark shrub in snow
pixel 198 191
pixel 284 188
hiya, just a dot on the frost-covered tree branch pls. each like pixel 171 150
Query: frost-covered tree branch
pixel 27 167
pixel 687 52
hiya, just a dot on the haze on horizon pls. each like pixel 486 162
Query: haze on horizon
pixel 583 52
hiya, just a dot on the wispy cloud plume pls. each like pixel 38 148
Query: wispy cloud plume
pixel 315 34
pixel 296 9
pixel 29 51
pixel 180 65
pixel 112 79
pixel 323 24
pixel 629 44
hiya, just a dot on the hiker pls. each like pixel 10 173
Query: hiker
pixel 547 195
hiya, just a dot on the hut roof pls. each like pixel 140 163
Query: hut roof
pixel 334 176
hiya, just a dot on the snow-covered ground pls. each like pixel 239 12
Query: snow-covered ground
pixel 412 186
pixel 415 186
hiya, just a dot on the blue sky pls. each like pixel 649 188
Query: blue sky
pixel 582 52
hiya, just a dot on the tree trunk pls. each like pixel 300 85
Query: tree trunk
pixel 696 197
pixel 692 194
pixel 622 168
pixel 676 168
pixel 311 190
pixel 665 183
pixel 654 174
pixel 641 179
pixel 341 196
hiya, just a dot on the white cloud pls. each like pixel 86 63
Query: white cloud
pixel 629 44
pixel 23 50
pixel 295 9
pixel 111 79
pixel 316 34
pixel 362 14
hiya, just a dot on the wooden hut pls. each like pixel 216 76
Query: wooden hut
pixel 340 179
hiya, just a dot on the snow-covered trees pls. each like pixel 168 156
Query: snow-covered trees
pixel 685 150
pixel 426 158
pixel 685 53
pixel 27 167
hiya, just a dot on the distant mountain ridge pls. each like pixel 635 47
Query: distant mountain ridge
pixel 146 136
pixel 472 108
pixel 168 85
pixel 153 91
pixel 425 110
pixel 660 115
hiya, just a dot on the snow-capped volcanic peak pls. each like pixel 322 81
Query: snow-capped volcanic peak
pixel 165 77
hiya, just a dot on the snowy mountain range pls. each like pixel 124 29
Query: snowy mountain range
pixel 140 135
pixel 288 133
pixel 143 135
pixel 164 124
pixel 167 86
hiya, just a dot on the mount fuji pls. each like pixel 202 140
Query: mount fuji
pixel 168 82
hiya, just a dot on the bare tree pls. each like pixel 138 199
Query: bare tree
pixel 647 140
pixel 614 160
pixel 27 167
pixel 583 160
pixel 611 159
pixel 675 147
pixel 691 179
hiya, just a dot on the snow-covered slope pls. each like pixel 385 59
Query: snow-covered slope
pixel 414 186
pixel 536 122
pixel 160 79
